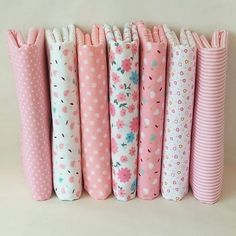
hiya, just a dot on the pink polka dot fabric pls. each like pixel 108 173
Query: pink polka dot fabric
pixel 66 144
pixel 93 88
pixel 29 66
pixel 179 113
pixel 207 163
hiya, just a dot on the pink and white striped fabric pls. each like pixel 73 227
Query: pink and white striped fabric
pixel 28 61
pixel 179 113
pixel 152 98
pixel 207 162
pixel 93 81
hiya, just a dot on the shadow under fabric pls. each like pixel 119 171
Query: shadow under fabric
pixel 28 60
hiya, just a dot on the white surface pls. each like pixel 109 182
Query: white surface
pixel 19 215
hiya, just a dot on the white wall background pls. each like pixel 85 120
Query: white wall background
pixel 203 16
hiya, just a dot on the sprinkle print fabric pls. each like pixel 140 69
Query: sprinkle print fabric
pixel 66 145
pixel 207 163
pixel 178 119
pixel 152 97
pixel 28 63
pixel 124 108
pixel 93 80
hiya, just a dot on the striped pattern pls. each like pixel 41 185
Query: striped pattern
pixel 208 128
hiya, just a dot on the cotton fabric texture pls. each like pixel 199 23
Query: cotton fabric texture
pixel 66 146
pixel 208 128
pixel 179 113
pixel 28 60
pixel 152 97
pixel 93 80
pixel 124 108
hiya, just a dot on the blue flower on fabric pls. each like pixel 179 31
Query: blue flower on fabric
pixel 130 137
pixel 133 186
pixel 134 77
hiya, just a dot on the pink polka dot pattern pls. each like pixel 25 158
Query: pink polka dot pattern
pixel 178 120
pixel 152 98
pixel 93 84
pixel 28 63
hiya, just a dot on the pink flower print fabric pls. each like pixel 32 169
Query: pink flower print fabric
pixel 93 80
pixel 179 112
pixel 28 61
pixel 66 145
pixel 152 98
pixel 124 108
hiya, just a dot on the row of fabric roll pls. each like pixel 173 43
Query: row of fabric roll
pixel 133 113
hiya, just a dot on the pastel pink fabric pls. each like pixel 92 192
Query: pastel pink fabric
pixel 152 98
pixel 93 87
pixel 207 163
pixel 28 63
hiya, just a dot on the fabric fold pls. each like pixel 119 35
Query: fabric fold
pixel 179 113
pixel 123 53
pixel 66 139
pixel 28 60
pixel 207 163
pixel 93 80
pixel 152 97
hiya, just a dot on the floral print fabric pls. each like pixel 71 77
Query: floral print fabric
pixel 124 108
pixel 93 80
pixel 179 112
pixel 28 63
pixel 66 145
pixel 152 98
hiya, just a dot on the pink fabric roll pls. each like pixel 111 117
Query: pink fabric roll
pixel 152 98
pixel 206 174
pixel 28 63
pixel 93 85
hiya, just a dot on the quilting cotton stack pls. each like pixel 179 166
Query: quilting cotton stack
pixel 208 129
pixel 179 113
pixel 124 108
pixel 152 97
pixel 28 61
pixel 93 80
pixel 66 145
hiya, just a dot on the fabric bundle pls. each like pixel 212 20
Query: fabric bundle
pixel 179 112
pixel 29 66
pixel 66 145
pixel 124 108
pixel 93 80
pixel 152 98
pixel 208 127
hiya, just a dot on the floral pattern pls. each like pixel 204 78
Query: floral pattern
pixel 124 111
pixel 178 121
pixel 67 177
pixel 152 98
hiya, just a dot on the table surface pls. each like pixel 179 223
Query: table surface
pixel 22 216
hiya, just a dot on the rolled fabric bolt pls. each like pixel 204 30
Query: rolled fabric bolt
pixel 93 80
pixel 179 113
pixel 207 159
pixel 66 144
pixel 28 62
pixel 124 108
pixel 152 98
